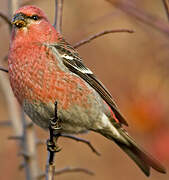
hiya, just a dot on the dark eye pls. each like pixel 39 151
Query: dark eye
pixel 35 17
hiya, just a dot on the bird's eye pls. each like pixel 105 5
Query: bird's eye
pixel 34 17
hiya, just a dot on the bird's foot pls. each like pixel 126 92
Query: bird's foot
pixel 52 146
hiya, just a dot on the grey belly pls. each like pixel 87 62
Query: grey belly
pixel 74 120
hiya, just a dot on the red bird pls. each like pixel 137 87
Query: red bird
pixel 44 68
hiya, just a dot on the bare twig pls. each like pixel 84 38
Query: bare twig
pixel 3 69
pixel 15 137
pixel 5 123
pixel 87 40
pixel 130 8
pixel 6 19
pixel 42 142
pixel 81 140
pixel 58 15
pixel 69 170
pixel 166 6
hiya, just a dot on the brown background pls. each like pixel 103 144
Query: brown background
pixel 134 67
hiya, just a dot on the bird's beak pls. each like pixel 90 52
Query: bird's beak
pixel 19 20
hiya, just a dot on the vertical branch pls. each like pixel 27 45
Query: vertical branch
pixel 28 149
pixel 13 5
pixel 58 15
pixel 13 109
pixel 166 6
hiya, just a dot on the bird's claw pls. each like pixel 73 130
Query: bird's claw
pixel 52 146
pixel 55 124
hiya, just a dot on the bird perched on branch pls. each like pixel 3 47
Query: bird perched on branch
pixel 44 68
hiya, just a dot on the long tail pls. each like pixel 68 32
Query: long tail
pixel 137 154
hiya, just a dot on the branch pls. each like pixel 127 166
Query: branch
pixel 58 15
pixel 130 8
pixel 3 69
pixel 87 40
pixel 6 19
pixel 5 123
pixel 69 170
pixel 166 6
pixel 81 140
pixel 28 143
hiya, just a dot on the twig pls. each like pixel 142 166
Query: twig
pixel 87 40
pixel 5 123
pixel 166 6
pixel 81 140
pixel 54 129
pixel 6 19
pixel 15 137
pixel 68 170
pixel 58 15
pixel 3 69
pixel 129 8
pixel 42 142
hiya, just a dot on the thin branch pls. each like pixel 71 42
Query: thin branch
pixel 81 140
pixel 89 39
pixel 5 123
pixel 166 6
pixel 58 15
pixel 3 69
pixel 69 170
pixel 42 142
pixel 15 137
pixel 6 19
pixel 130 8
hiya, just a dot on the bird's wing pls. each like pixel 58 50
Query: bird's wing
pixel 74 63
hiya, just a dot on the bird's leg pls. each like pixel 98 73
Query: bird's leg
pixel 54 129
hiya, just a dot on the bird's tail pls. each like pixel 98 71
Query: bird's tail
pixel 137 154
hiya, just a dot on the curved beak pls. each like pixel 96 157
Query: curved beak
pixel 19 20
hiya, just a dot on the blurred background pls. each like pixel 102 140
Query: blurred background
pixel 135 69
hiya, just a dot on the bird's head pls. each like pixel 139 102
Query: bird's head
pixel 31 24
pixel 28 15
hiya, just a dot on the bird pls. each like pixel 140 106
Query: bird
pixel 44 68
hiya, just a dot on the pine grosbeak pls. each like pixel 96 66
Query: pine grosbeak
pixel 44 68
